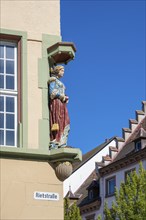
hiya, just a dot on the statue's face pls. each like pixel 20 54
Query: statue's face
pixel 61 72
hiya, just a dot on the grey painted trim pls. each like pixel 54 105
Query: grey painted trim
pixel 56 155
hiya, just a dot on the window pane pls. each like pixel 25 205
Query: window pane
pixel 9 67
pixel 1 66
pixel 9 121
pixel 2 81
pixel 111 186
pixel 8 109
pixel 1 120
pixel 10 138
pixel 9 104
pixel 138 146
pixel 10 52
pixel 1 51
pixel 9 82
pixel 1 103
pixel 1 137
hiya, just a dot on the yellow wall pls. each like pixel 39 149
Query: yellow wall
pixel 19 180
pixel 34 93
pixel 35 17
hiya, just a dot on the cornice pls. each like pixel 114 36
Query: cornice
pixel 90 207
pixel 117 165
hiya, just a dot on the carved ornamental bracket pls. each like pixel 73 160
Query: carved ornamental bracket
pixel 61 53
pixel 62 160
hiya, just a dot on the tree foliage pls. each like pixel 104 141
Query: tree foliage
pixel 99 217
pixel 130 201
pixel 71 212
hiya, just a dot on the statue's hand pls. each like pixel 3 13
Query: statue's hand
pixel 51 79
pixel 64 99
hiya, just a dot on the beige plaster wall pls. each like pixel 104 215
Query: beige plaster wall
pixel 34 52
pixel 35 17
pixel 19 180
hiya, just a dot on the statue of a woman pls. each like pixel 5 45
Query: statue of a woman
pixel 59 118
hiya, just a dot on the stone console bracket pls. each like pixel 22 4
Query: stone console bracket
pixel 61 52
pixel 62 159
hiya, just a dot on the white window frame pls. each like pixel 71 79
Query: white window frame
pixel 10 92
pixel 108 186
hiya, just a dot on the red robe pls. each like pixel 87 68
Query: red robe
pixel 58 115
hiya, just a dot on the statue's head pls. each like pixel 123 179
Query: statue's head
pixel 58 71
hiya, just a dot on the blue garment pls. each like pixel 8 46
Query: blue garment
pixel 56 88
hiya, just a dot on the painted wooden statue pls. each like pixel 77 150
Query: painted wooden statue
pixel 59 118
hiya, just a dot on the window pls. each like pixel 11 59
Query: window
pixel 90 194
pixel 138 145
pixel 93 190
pixel 128 173
pixel 110 186
pixel 8 93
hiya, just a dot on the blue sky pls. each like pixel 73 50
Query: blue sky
pixel 106 82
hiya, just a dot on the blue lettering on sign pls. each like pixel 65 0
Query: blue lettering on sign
pixel 46 196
